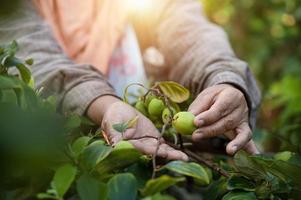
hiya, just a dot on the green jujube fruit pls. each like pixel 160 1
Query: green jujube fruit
pixel 166 114
pixel 183 122
pixel 158 124
pixel 155 107
pixel 170 132
pixel 149 98
pixel 141 107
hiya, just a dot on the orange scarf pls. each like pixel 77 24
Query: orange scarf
pixel 87 30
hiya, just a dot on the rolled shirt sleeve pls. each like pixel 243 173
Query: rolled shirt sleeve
pixel 197 52
pixel 74 85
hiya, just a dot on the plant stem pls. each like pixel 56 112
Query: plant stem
pixel 181 141
pixel 190 154
pixel 157 149
pixel 125 99
pixel 199 159
pixel 142 137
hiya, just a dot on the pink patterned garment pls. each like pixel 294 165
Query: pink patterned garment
pixel 88 30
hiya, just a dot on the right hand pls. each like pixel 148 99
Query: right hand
pixel 108 110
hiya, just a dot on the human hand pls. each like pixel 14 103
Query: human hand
pixel 219 110
pixel 109 110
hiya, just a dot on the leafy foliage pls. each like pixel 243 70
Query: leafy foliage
pixel 48 155
pixel 267 35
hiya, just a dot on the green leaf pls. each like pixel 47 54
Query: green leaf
pixel 94 153
pixel 132 122
pixel 284 156
pixel 12 48
pixel 29 61
pixel 281 169
pixel 159 196
pixel 239 195
pixel 216 189
pixel 174 91
pixel 189 169
pixel 24 72
pixel 86 121
pixel 79 144
pixel 238 182
pixel 90 188
pixel 63 178
pixel 25 95
pixel 141 171
pixel 45 196
pixel 73 122
pixel 290 157
pixel 31 83
pixel 248 166
pixel 159 184
pixel 122 186
pixel 10 83
pixel 9 96
pixel 123 155
pixel 121 127
pixel 10 61
pixel 276 173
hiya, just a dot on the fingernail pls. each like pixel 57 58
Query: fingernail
pixel 199 135
pixel 185 158
pixel 234 149
pixel 201 122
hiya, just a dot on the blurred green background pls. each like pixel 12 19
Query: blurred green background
pixel 267 34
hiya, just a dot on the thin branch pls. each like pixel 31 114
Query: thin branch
pixel 142 137
pixel 126 90
pixel 199 159
pixel 190 154
pixel 157 149
pixel 180 141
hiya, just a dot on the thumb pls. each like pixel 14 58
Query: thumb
pixel 107 125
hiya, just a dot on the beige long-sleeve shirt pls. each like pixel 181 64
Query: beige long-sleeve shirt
pixel 197 54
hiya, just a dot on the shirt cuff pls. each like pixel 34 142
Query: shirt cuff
pixel 78 99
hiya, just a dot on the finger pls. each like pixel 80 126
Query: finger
pixel 201 103
pixel 220 127
pixel 116 136
pixel 149 146
pixel 251 148
pixel 173 154
pixel 113 135
pixel 244 135
pixel 221 107
pixel 164 151
pixel 129 133
pixel 205 99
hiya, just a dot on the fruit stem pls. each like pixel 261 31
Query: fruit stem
pixel 125 98
pixel 156 152
pixel 181 141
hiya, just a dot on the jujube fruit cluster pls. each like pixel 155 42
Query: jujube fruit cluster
pixel 161 112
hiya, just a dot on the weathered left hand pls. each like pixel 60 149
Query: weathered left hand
pixel 220 109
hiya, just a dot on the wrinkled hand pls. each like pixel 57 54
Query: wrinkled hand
pixel 119 112
pixel 219 110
